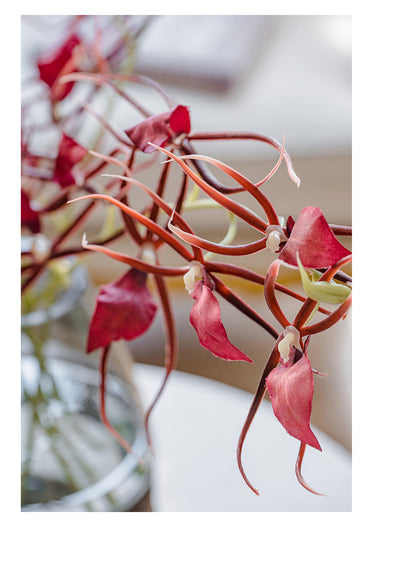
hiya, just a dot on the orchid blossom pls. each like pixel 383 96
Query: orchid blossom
pixel 125 308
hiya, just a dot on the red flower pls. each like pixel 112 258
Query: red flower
pixel 291 388
pixel 160 129
pixel 69 153
pixel 29 217
pixel 124 310
pixel 205 317
pixel 51 64
pixel 313 238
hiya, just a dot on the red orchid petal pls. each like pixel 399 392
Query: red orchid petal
pixel 157 129
pixel 29 217
pixel 179 121
pixel 291 388
pixel 69 153
pixel 314 240
pixel 124 310
pixel 51 64
pixel 205 317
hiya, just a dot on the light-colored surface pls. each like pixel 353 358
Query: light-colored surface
pixel 330 352
pixel 195 428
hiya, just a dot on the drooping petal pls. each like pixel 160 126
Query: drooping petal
pixel 314 240
pixel 205 317
pixel 29 217
pixel 291 388
pixel 124 310
pixel 157 129
pixel 69 154
pixel 51 64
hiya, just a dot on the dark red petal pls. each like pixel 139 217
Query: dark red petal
pixel 29 217
pixel 314 240
pixel 179 121
pixel 289 225
pixel 291 388
pixel 69 154
pixel 157 129
pixel 124 310
pixel 205 317
pixel 50 64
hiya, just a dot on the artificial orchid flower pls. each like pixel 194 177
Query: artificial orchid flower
pixel 69 154
pixel 29 217
pixel 291 387
pixel 124 310
pixel 205 317
pixel 160 129
pixel 51 66
pixel 314 240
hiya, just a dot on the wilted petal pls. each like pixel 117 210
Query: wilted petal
pixel 124 310
pixel 314 240
pixel 69 154
pixel 29 217
pixel 205 317
pixel 157 129
pixel 51 64
pixel 291 388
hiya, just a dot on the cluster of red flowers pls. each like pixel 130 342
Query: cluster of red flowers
pixel 125 308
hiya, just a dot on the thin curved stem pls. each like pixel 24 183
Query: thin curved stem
pixel 102 80
pixel 136 263
pixel 102 402
pixel 107 126
pixel 299 476
pixel 240 211
pixel 171 347
pixel 237 302
pixel 166 236
pixel 130 223
pixel 236 250
pixel 341 230
pixel 258 397
pixel 197 253
pixel 243 136
pixel 269 293
pixel 330 320
pixel 246 184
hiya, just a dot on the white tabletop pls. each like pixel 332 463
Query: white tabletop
pixel 195 428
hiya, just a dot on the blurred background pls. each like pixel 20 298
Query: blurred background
pixel 280 76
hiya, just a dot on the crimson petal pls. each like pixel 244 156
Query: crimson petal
pixel 51 64
pixel 205 317
pixel 291 388
pixel 124 310
pixel 29 217
pixel 314 240
pixel 69 154
pixel 157 129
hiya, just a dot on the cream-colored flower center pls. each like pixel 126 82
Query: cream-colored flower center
pixel 291 338
pixel 189 279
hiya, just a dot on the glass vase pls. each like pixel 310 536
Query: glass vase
pixel 69 459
